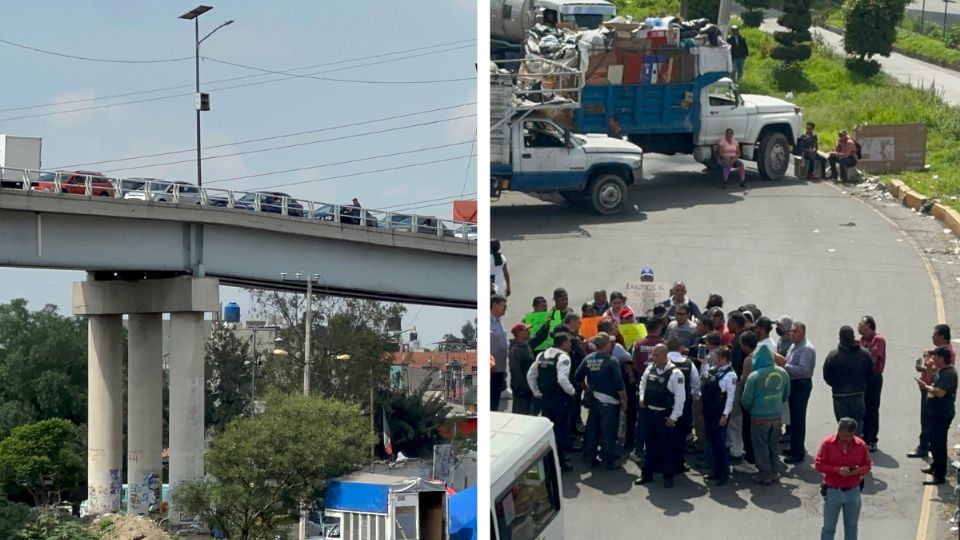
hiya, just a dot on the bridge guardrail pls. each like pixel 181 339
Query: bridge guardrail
pixel 89 185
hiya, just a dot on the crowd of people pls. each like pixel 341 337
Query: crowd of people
pixel 731 386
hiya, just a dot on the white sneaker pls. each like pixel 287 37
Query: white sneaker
pixel 745 468
pixel 634 457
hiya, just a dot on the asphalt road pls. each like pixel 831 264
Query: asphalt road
pixel 803 249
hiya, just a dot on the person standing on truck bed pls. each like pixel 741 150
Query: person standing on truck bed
pixel 729 151
pixel 738 51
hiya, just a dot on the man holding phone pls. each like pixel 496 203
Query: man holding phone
pixel 843 460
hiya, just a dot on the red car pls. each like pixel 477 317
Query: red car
pixel 75 182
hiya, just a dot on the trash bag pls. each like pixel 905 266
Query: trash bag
pixel 713 34
pixel 689 33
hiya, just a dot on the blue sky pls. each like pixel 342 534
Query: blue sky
pixel 276 36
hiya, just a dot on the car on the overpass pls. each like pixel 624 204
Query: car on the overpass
pixel 166 192
pixel 418 224
pixel 349 215
pixel 74 182
pixel 271 202
pixel 134 184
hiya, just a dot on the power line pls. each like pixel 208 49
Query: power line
pixel 262 139
pixel 184 94
pixel 329 79
pixel 388 169
pixel 471 43
pixel 87 59
pixel 331 164
pixel 466 174
pixel 448 197
pixel 294 145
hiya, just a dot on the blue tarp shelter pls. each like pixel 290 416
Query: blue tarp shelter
pixel 463 515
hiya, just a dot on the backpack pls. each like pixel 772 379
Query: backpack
pixel 859 150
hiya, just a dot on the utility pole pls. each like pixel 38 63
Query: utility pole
pixel 306 337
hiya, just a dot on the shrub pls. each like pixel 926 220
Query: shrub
pixel 867 68
pixel 752 18
pixel 870 26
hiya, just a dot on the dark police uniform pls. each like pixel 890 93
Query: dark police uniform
pixel 602 373
pixel 714 400
pixel 686 421
pixel 555 401
pixel 662 442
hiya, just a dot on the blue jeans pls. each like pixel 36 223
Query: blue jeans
pixel 738 68
pixel 849 502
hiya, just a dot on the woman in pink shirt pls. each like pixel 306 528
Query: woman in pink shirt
pixel 729 157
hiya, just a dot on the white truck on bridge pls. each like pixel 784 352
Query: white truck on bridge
pixel 17 154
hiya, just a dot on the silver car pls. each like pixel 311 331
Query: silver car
pixel 166 192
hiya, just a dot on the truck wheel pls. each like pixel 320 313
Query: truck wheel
pixel 774 158
pixel 608 194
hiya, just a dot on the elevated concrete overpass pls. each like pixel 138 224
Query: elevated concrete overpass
pixel 145 259
pixel 239 247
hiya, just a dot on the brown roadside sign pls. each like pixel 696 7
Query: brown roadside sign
pixel 892 147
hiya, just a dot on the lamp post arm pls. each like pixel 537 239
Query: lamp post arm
pixel 212 31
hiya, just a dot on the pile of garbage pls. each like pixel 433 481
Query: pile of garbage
pixel 657 50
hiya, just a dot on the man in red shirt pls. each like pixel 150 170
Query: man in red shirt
pixel 843 460
pixel 873 342
pixel 845 154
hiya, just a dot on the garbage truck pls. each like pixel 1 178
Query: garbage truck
pixel 532 152
pixel 675 96
pixel 360 506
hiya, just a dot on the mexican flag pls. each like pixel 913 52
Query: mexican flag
pixel 387 444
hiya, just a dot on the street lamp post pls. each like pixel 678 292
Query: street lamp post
pixel 945 4
pixel 201 104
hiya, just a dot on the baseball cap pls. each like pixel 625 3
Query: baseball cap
pixel 646 272
pixel 519 327
pixel 601 339
pixel 734 27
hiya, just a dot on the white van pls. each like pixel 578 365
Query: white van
pixel 526 501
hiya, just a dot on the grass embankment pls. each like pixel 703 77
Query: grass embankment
pixel 836 99
pixel 929 47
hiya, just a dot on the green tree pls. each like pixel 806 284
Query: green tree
pixel 753 14
pixel 43 366
pixel 703 9
pixel 414 421
pixel 45 458
pixel 50 525
pixel 12 516
pixel 228 378
pixel 260 468
pixel 870 28
pixel 340 326
pixel 794 46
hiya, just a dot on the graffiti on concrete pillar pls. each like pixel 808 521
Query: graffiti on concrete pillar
pixel 116 488
pixel 144 497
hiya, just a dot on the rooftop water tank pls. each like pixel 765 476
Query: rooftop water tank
pixel 231 313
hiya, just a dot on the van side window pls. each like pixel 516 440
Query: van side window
pixel 531 502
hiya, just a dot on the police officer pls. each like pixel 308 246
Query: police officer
pixel 661 398
pixel 718 386
pixel 602 374
pixel 691 386
pixel 549 380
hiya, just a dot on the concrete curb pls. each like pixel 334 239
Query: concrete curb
pixel 910 198
pixel 920 57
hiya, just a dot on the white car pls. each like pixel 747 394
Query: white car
pixel 166 192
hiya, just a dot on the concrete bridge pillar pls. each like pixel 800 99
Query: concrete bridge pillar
pixel 104 412
pixel 144 407
pixel 105 303
pixel 186 400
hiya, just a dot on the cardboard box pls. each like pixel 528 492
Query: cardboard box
pixel 615 74
pixel 598 67
pixel 892 147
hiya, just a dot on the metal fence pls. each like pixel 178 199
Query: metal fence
pixel 149 191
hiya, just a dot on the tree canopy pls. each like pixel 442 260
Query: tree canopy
pixel 228 378
pixel 260 468
pixel 45 458
pixel 414 421
pixel 43 366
